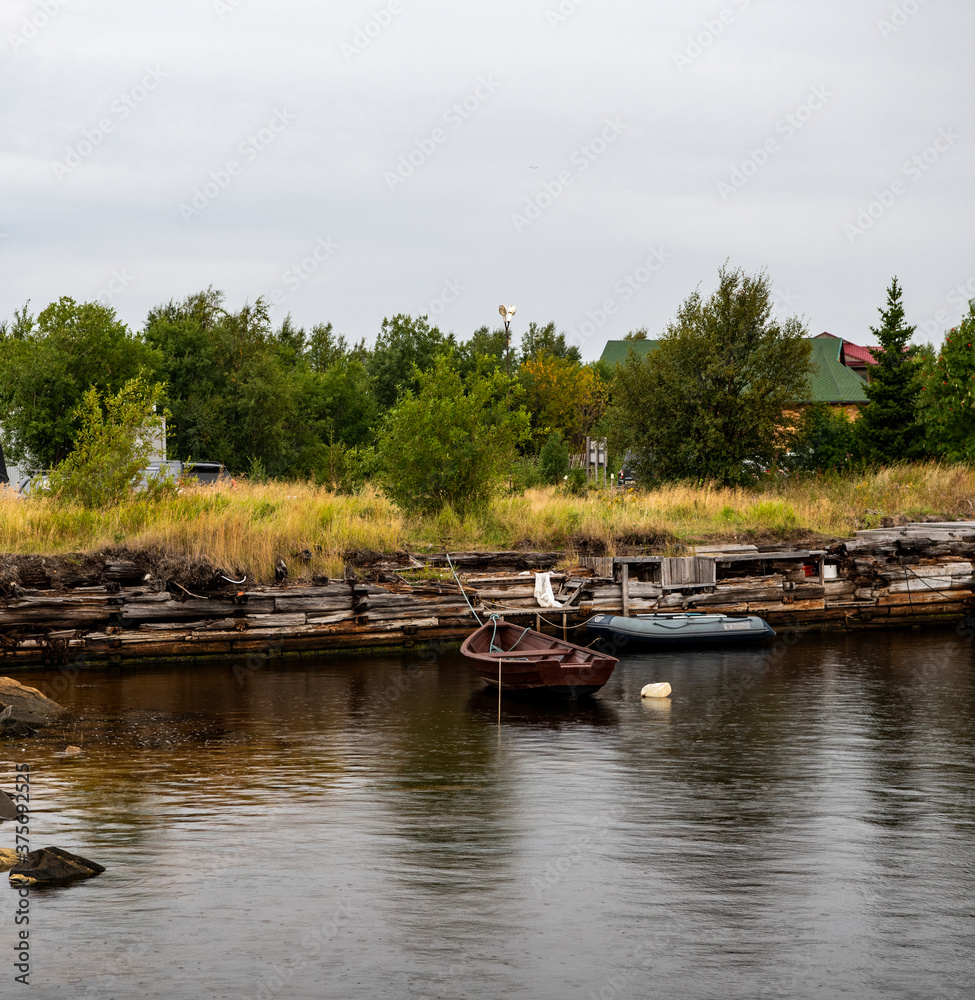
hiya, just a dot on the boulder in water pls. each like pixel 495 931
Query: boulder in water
pixel 52 866
pixel 27 705
pixel 7 808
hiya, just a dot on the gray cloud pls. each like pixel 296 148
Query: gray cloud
pixel 706 91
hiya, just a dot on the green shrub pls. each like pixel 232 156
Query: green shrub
pixel 112 449
pixel 553 459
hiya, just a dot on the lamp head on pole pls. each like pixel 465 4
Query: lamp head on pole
pixel 506 312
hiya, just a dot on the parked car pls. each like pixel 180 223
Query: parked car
pixel 208 474
pixel 204 473
pixel 38 480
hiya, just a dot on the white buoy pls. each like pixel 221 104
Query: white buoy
pixel 661 690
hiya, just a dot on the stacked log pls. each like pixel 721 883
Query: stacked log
pixel 880 580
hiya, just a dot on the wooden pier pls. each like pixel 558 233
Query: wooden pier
pixel 916 574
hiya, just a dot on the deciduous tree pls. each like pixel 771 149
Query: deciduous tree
pixel 112 448
pixel 449 440
pixel 946 404
pixel 712 396
pixel 48 364
pixel 563 396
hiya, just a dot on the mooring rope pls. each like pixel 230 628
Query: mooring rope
pixel 462 591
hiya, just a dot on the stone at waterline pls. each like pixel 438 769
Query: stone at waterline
pixel 7 808
pixel 27 704
pixel 8 858
pixel 14 728
pixel 52 866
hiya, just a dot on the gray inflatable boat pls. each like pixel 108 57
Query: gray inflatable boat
pixel 688 629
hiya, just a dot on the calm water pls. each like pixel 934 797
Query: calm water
pixel 799 824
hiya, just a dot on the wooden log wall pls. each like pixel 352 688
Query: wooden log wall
pixel 882 579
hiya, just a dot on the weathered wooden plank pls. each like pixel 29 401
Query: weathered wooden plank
pixel 321 603
pixel 259 605
pixel 679 572
pixel 931 583
pixel 338 616
pixel 275 620
pixel 506 593
pixel 63 615
pixel 930 597
pixel 953 569
pixel 940 610
pixel 412 612
pixel 333 587
pixel 600 565
pixel 737 595
pixel 480 580
pixel 177 611
pixel 760 606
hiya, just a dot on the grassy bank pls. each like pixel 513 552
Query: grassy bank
pixel 248 528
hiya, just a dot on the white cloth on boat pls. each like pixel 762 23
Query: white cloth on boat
pixel 543 591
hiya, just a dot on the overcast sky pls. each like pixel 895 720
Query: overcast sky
pixel 590 161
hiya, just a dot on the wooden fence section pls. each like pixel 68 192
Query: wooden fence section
pixel 872 581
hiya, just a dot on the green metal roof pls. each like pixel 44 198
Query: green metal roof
pixel 831 381
pixel 615 350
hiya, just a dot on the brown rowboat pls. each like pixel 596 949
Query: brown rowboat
pixel 522 661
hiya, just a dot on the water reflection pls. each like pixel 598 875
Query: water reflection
pixel 801 825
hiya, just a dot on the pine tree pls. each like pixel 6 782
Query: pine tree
pixel 888 430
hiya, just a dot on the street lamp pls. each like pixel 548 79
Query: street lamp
pixel 506 313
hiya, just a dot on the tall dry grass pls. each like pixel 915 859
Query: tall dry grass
pixel 249 528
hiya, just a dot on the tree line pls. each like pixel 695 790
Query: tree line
pixel 280 401
pixel 434 419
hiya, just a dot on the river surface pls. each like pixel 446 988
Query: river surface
pixel 794 822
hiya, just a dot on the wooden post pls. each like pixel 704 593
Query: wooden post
pixel 565 626
pixel 625 585
pixel 538 623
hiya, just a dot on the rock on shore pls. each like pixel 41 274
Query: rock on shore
pixel 27 707
pixel 52 866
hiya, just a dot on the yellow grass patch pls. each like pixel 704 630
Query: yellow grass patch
pixel 247 529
